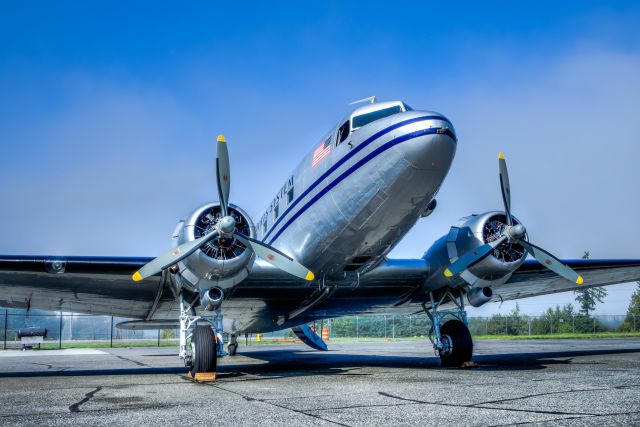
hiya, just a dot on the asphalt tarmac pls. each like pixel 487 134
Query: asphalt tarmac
pixel 563 382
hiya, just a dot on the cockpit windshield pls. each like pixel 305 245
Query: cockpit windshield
pixel 366 118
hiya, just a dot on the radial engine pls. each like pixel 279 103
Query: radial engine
pixel 470 233
pixel 222 262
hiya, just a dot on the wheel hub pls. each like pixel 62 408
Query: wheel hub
pixel 447 345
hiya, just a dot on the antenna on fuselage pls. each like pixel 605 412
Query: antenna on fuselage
pixel 370 99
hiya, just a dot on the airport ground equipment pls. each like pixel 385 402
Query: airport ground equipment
pixel 31 336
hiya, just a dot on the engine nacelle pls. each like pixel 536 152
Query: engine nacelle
pixel 221 262
pixel 470 233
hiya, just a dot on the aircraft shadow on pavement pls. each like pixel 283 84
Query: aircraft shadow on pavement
pixel 294 363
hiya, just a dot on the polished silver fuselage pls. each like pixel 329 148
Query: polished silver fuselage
pixel 351 209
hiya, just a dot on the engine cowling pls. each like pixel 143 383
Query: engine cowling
pixel 221 262
pixel 470 233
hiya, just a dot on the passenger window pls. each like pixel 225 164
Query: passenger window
pixel 276 211
pixel 290 196
pixel 343 132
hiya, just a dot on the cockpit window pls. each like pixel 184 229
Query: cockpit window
pixel 343 132
pixel 407 107
pixel 365 119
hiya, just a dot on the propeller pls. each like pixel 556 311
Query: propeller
pixel 512 233
pixel 224 228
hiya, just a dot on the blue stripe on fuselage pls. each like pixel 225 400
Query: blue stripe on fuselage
pixel 359 164
pixel 345 158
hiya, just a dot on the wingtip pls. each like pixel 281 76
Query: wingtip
pixel 310 276
pixel 221 138
pixel 579 280
pixel 137 276
pixel 447 273
pixel 501 155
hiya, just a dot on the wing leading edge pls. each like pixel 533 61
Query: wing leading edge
pixel 532 279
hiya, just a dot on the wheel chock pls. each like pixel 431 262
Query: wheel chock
pixel 202 377
pixel 468 365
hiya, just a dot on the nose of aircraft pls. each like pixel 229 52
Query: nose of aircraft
pixel 430 144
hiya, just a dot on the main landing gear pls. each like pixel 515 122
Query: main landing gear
pixel 451 340
pixel 205 336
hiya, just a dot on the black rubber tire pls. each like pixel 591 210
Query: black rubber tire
pixel 232 349
pixel 462 343
pixel 206 350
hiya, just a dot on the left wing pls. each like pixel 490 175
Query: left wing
pixel 99 285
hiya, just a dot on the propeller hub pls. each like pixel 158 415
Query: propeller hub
pixel 515 232
pixel 226 225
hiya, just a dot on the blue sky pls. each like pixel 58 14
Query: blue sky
pixel 108 113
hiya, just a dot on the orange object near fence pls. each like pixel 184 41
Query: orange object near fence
pixel 325 334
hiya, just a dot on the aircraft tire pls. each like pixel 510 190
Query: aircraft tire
pixel 232 349
pixel 205 351
pixel 462 344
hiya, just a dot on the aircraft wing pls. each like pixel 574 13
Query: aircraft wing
pixel 100 285
pixel 533 279
pixel 103 285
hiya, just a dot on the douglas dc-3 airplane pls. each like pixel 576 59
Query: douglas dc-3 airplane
pixel 319 251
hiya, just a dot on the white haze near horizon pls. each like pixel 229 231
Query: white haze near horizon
pixel 110 170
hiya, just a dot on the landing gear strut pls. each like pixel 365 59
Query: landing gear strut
pixel 451 340
pixel 205 335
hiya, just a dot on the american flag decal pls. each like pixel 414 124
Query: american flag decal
pixel 321 152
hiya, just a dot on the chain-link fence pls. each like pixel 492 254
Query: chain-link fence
pixel 72 330
pixel 75 330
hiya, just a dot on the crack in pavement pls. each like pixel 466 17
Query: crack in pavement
pixel 132 361
pixel 476 406
pixel 253 399
pixel 76 406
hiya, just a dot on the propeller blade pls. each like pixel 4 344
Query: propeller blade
pixel 223 173
pixel 473 257
pixel 552 263
pixel 172 257
pixel 505 188
pixel 276 258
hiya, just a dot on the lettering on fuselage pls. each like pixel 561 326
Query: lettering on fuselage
pixel 276 208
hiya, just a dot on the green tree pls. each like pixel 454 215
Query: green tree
pixel 632 320
pixel 587 298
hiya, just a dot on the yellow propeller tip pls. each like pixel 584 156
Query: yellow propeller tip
pixel 221 138
pixel 501 156
pixel 579 280
pixel 448 273
pixel 137 276
pixel 310 276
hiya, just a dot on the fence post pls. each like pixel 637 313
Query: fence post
pixel 529 318
pixel 594 325
pixel 6 320
pixel 486 326
pixel 158 337
pixel 634 326
pixel 385 326
pixel 111 334
pixel 411 334
pixel 573 323
pixel 506 325
pixel 60 334
pixel 393 326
